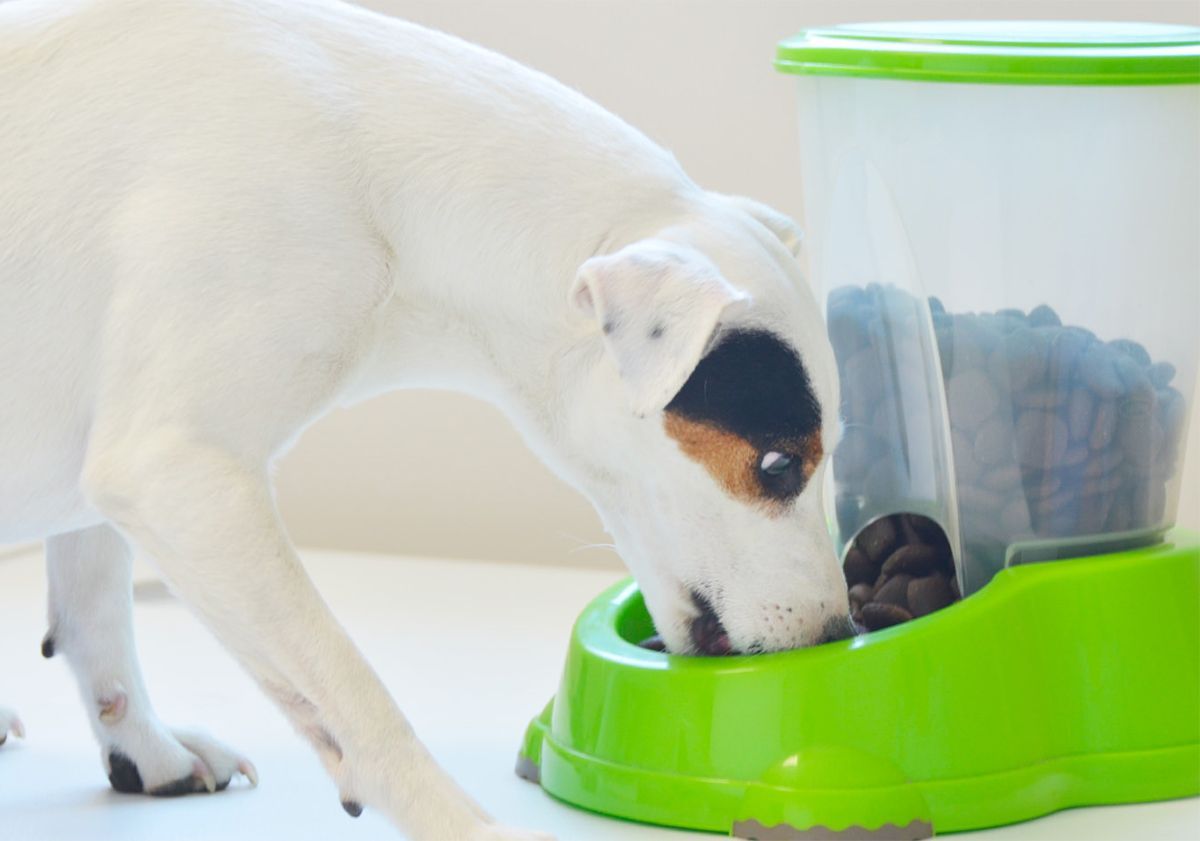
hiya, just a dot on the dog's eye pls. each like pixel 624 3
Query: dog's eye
pixel 775 464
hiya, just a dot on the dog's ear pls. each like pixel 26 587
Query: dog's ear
pixel 787 231
pixel 657 304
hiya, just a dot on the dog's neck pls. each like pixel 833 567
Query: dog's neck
pixel 490 315
pixel 486 209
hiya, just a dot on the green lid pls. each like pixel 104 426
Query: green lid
pixel 1000 52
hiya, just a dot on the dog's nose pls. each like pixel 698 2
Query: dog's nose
pixel 708 634
pixel 837 628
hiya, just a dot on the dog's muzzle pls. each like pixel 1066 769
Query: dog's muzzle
pixel 838 628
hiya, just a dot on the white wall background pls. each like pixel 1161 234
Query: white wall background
pixel 440 474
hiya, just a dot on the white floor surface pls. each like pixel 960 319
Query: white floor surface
pixel 470 650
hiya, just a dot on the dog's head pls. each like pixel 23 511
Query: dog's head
pixel 710 413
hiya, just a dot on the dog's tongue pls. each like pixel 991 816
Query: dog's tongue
pixel 709 636
pixel 718 645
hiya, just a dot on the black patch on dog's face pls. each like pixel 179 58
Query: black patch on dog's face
pixel 752 385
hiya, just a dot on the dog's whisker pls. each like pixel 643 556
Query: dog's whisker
pixel 610 546
pixel 583 544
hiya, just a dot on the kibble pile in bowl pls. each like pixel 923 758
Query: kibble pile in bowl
pixel 1054 432
pixel 899 568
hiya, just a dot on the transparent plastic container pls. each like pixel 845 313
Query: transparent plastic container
pixel 1004 219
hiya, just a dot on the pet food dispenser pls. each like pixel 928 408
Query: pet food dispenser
pixel 1002 217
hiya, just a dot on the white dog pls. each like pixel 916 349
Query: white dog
pixel 221 218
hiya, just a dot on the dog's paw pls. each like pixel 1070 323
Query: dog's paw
pixel 495 832
pixel 168 764
pixel 9 723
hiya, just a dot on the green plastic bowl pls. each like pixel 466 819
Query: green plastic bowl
pixel 1058 684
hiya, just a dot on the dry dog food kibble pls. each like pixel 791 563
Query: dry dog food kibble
pixel 898 568
pixel 1054 432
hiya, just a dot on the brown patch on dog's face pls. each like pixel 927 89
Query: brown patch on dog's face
pixel 729 458
pixel 735 463
pixel 810 449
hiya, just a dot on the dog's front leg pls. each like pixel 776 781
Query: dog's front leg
pixel 91 624
pixel 210 522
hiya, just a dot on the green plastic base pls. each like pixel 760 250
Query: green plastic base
pixel 1061 684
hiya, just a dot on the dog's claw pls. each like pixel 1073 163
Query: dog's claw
pixel 9 723
pixel 246 769
pixel 125 777
pixel 202 772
